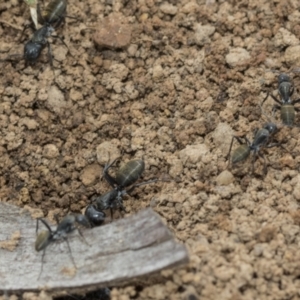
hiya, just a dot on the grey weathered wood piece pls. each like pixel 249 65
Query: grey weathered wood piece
pixel 116 254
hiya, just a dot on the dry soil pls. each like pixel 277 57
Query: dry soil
pixel 169 82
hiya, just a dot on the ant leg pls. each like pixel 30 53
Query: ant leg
pixel 111 214
pixel 122 210
pixel 275 145
pixel 81 235
pixel 275 99
pixel 142 183
pixel 272 145
pixel 26 26
pixel 147 182
pixel 72 258
pixel 56 218
pixel 110 179
pixel 120 202
pixel 58 37
pixel 109 165
pixel 297 108
pixel 228 155
pixel 11 56
pixel 255 132
pixel 265 165
pixel 45 223
pixel 59 22
pixel 230 148
pixel 42 264
pixel 253 161
pixel 106 175
pixel 265 98
pixel 37 226
pixel 275 107
pixel 62 20
pixel 70 17
pixel 296 101
pixel 246 140
pixel 50 55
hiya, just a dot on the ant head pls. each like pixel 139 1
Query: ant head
pixel 271 127
pixel 95 216
pixel 32 51
pixel 283 78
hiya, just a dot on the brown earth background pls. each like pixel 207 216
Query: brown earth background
pixel 192 74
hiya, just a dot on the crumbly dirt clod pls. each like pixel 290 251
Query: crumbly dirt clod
pixel 113 32
pixel 172 82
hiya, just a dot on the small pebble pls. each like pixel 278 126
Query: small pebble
pixel 237 56
pixel 112 33
pixel 225 178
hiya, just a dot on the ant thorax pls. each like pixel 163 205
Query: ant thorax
pixel 59 235
pixel 50 30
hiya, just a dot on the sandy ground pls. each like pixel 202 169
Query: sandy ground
pixel 171 87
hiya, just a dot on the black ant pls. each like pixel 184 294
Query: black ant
pixel 125 176
pixel 262 138
pixel 53 14
pixel 66 226
pixel 286 105
pixel 51 18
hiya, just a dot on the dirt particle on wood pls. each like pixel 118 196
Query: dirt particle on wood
pixel 11 243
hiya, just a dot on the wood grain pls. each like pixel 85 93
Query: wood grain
pixel 116 253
